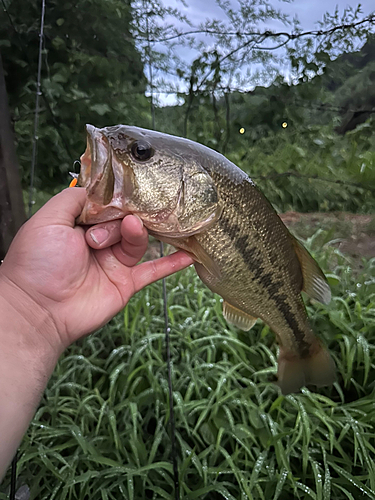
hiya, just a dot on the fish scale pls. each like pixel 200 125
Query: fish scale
pixel 197 200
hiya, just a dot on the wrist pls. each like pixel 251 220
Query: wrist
pixel 27 359
pixel 28 327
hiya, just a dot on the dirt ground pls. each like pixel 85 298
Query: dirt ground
pixel 353 234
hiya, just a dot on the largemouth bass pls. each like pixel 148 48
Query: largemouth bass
pixel 197 200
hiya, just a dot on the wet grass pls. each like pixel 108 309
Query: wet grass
pixel 102 429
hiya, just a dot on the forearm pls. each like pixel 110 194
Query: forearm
pixel 27 359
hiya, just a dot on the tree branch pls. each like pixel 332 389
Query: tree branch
pixel 265 34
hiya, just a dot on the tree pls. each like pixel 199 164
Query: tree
pixel 92 73
pixel 238 53
pixel 12 212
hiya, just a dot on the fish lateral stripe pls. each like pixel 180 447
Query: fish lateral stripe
pixel 268 282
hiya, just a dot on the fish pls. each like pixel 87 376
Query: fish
pixel 195 199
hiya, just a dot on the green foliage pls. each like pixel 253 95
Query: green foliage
pixel 288 162
pixel 312 157
pixel 92 73
pixel 302 168
pixel 341 32
pixel 102 429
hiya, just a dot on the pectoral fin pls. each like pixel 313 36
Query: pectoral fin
pixel 196 249
pixel 314 281
pixel 237 317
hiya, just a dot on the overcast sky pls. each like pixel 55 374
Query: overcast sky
pixel 309 12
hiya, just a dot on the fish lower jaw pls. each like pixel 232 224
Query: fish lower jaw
pixel 172 227
pixel 94 213
pixel 175 233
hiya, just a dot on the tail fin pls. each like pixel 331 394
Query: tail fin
pixel 294 372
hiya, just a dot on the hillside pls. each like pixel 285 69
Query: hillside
pixel 343 95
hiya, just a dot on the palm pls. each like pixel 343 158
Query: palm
pixel 81 287
pixel 77 281
pixel 78 284
pixel 92 289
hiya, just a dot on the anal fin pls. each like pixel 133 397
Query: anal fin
pixel 238 318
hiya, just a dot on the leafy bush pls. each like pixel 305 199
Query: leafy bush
pixel 326 170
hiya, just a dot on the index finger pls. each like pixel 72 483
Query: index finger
pixel 146 273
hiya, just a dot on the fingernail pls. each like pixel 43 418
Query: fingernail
pixel 140 220
pixel 99 235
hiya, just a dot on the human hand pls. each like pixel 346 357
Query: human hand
pixel 57 269
pixel 58 282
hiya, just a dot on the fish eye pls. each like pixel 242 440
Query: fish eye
pixel 142 150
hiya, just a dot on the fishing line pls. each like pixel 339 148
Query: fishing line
pixel 164 285
pixel 48 106
pixel 13 478
pixel 170 387
pixel 55 122
pixel 150 72
pixel 36 116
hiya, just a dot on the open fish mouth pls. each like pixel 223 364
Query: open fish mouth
pixel 99 175
pixel 120 179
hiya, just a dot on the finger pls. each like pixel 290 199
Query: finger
pixel 104 235
pixel 154 270
pixel 133 243
pixel 133 231
pixel 63 208
pixel 129 255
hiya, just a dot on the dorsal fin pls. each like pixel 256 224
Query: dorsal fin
pixel 237 317
pixel 314 281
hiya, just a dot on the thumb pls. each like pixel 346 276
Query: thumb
pixel 63 208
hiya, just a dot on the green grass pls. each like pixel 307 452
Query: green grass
pixel 102 429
